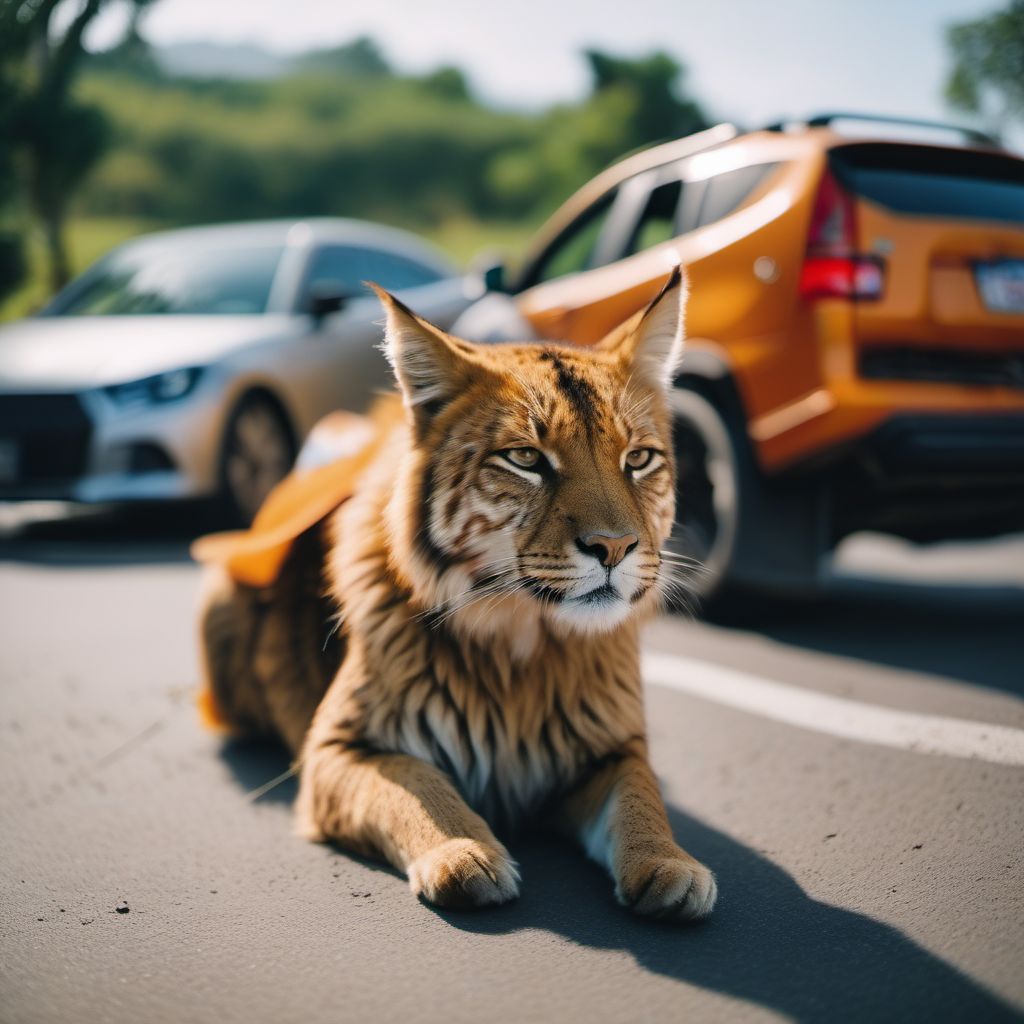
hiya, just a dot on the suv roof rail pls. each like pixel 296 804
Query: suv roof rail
pixel 666 152
pixel 971 135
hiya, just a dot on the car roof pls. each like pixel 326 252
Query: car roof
pixel 304 232
pixel 819 133
pixel 824 131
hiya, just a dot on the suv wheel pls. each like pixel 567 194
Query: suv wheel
pixel 737 536
pixel 709 489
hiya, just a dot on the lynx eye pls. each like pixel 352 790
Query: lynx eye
pixel 524 458
pixel 639 458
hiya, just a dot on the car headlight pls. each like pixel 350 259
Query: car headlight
pixel 161 387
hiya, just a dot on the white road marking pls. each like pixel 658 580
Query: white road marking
pixel 836 716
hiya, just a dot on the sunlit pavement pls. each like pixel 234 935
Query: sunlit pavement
pixel 865 875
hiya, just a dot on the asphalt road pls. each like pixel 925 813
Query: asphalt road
pixel 861 876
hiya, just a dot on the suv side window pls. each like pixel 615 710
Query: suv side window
pixel 350 266
pixel 689 206
pixel 574 250
pixel 658 221
pixel 725 192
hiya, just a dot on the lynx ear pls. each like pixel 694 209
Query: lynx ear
pixel 653 343
pixel 428 365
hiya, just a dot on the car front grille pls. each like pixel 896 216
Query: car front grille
pixel 948 366
pixel 43 438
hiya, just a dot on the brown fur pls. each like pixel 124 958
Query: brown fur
pixel 486 670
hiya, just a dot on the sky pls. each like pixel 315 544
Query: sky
pixel 752 61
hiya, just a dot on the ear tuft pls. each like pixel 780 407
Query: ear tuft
pixel 655 345
pixel 427 366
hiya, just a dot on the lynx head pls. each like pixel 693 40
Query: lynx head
pixel 539 483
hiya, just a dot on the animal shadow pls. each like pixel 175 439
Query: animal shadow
pixel 767 941
pixel 255 763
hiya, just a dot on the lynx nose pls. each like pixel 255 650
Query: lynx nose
pixel 609 551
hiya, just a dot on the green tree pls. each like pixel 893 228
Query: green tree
pixel 361 57
pixel 634 102
pixel 988 69
pixel 12 249
pixel 652 85
pixel 54 141
pixel 447 82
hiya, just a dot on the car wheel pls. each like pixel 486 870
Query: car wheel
pixel 709 489
pixel 258 452
pixel 738 537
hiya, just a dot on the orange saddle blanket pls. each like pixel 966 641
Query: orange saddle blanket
pixel 336 452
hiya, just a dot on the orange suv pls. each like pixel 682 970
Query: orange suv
pixel 856 330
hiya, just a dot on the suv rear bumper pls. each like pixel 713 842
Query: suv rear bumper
pixel 846 411
pixel 957 448
pixel 932 477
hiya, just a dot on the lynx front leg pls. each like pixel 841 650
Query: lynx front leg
pixel 619 818
pixel 408 812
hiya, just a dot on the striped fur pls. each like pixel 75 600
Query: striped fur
pixel 488 666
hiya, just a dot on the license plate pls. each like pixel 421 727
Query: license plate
pixel 1001 285
pixel 8 461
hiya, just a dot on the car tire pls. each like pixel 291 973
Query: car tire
pixel 257 452
pixel 712 479
pixel 738 537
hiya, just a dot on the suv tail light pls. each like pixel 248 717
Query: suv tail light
pixel 832 267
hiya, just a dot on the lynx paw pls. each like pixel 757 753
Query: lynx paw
pixel 464 873
pixel 669 888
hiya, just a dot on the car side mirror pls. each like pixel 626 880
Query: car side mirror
pixel 490 269
pixel 494 278
pixel 324 298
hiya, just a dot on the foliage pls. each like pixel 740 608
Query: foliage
pixel 303 145
pixel 51 136
pixel 13 264
pixel 651 84
pixel 989 64
pixel 339 133
pixel 343 134
pixel 360 57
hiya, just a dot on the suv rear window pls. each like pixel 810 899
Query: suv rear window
pixel 933 180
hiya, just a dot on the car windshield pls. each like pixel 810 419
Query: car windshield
pixel 162 277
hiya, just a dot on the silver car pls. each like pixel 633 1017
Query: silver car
pixel 192 363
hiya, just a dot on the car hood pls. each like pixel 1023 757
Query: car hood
pixel 74 353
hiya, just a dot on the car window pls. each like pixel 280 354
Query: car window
pixel 157 277
pixel 658 219
pixel 573 251
pixel 932 180
pixel 724 192
pixel 689 207
pixel 351 266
